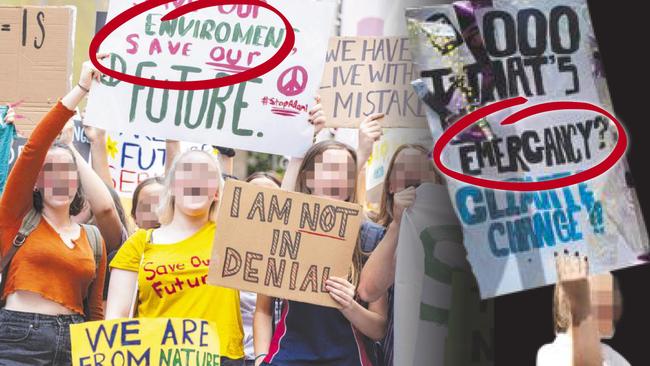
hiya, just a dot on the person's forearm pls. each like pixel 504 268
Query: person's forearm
pixel 172 150
pixel 291 175
pixel 73 98
pixel 586 343
pixel 262 325
pixel 371 324
pixel 121 292
pixel 100 165
pixel 101 204
pixel 378 274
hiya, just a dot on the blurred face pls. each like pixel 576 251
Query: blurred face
pixel 412 168
pixel 58 180
pixel 333 175
pixel 196 184
pixel 148 201
pixel 264 182
pixel 606 304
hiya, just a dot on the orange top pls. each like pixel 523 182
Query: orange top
pixel 45 265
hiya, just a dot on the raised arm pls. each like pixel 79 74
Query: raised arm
pixel 98 196
pixel 17 197
pixel 573 271
pixel 99 154
pixel 172 150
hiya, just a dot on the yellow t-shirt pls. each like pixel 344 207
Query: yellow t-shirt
pixel 172 284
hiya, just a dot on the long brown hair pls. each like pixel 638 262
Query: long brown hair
pixel 308 165
pixel 385 216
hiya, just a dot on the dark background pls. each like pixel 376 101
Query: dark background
pixel 524 321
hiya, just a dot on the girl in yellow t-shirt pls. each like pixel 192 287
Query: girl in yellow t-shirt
pixel 170 263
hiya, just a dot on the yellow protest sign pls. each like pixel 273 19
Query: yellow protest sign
pixel 145 341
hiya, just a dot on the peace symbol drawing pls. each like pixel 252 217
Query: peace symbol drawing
pixel 293 81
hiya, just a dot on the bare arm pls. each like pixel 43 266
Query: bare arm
pixel 98 196
pixel 378 274
pixel 372 321
pixel 98 154
pixel 586 343
pixel 121 292
pixel 573 271
pixel 172 150
pixel 291 175
pixel 262 326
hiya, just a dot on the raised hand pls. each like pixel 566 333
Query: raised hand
pixel 342 291
pixel 401 201
pixel 369 132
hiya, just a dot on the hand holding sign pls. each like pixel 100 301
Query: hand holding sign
pixel 284 244
pixel 343 292
pixel 572 273
pixel 401 201
pixel 370 131
pixel 317 116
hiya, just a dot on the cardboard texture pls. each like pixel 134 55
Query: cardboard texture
pixel 366 75
pixel 282 244
pixel 36 48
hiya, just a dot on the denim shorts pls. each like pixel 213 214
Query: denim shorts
pixel 35 339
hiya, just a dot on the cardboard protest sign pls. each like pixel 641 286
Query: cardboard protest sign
pixel 439 317
pixel 282 244
pixel 36 45
pixel 145 341
pixel 366 75
pixel 477 56
pixel 265 114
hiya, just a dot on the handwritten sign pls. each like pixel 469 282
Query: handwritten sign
pixel 36 64
pixel 521 231
pixel 266 114
pixel 282 244
pixel 153 341
pixel 366 75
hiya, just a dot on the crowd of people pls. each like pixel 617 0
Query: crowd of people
pixel 69 256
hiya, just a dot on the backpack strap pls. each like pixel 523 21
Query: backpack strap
pixel 30 222
pixel 95 241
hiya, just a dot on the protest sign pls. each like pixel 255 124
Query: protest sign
pixel 36 45
pixel 439 317
pixel 475 56
pixel 265 114
pixel 366 75
pixel 145 341
pixel 282 244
